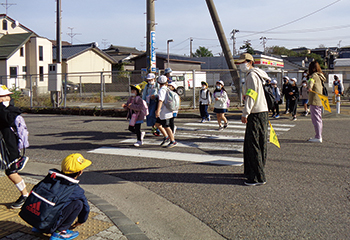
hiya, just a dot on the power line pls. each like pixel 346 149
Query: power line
pixel 303 30
pixel 296 20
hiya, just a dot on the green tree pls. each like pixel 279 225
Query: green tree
pixel 248 47
pixel 203 52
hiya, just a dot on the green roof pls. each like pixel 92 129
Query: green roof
pixel 10 43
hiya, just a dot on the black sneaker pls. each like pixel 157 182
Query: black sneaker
pixel 22 163
pixel 171 144
pixel 165 140
pixel 225 125
pixel 251 183
pixel 19 203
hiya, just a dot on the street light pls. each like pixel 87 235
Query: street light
pixel 169 41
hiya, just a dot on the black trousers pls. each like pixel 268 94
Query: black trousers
pixel 203 109
pixel 276 108
pixel 68 215
pixel 293 106
pixel 137 130
pixel 255 147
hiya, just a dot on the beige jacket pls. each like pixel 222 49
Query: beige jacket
pixel 315 84
pixel 254 83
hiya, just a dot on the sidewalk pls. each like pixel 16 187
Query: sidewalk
pixel 12 227
pixel 120 210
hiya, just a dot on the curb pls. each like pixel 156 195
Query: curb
pixel 125 225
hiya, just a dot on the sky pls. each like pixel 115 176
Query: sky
pixel 296 23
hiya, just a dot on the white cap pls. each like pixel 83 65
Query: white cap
pixel 273 81
pixel 286 77
pixel 4 91
pixel 294 80
pixel 162 79
pixel 150 76
pixel 221 82
pixel 173 84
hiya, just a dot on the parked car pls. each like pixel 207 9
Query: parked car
pixel 71 87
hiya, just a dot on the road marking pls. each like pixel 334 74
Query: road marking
pixel 177 156
pixel 235 122
pixel 211 136
pixel 238 148
pixel 229 126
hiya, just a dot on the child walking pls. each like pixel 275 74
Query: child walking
pixel 294 96
pixel 204 101
pixel 277 95
pixel 136 113
pixel 164 115
pixel 220 104
pixel 304 96
pixel 10 154
pixel 150 95
pixel 172 86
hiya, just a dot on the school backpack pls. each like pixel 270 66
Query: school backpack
pixel 172 101
pixel 45 202
pixel 145 110
pixel 21 132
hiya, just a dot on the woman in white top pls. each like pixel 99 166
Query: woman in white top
pixel 220 99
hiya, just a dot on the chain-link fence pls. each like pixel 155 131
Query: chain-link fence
pixel 109 90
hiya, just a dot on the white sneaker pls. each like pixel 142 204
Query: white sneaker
pixel 315 140
pixel 138 143
pixel 142 136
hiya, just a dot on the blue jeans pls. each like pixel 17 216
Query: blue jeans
pixel 204 111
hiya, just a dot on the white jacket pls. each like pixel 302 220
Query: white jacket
pixel 221 103
pixel 253 82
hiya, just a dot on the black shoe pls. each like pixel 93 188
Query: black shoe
pixel 171 144
pixel 165 140
pixel 19 203
pixel 251 183
pixel 225 125
pixel 22 163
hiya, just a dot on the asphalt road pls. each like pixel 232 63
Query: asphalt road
pixel 307 195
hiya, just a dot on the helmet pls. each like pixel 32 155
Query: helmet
pixel 167 70
pixel 162 79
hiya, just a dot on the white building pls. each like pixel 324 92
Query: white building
pixel 24 56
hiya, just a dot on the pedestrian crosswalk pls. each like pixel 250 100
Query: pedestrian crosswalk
pixel 193 135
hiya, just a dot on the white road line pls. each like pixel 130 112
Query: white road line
pixel 233 147
pixel 177 156
pixel 211 136
pixel 237 123
pixel 231 126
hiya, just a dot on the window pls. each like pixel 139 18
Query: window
pixel 13 72
pixel 41 53
pixel 41 74
pixel 52 68
pixel 24 69
pixel 4 24
pixel 21 52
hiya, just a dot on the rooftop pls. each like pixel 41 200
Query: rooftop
pixel 10 43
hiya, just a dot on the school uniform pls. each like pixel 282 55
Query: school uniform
pixel 293 99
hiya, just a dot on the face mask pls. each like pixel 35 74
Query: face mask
pixel 203 87
pixel 151 82
pixel 305 74
pixel 6 104
pixel 244 67
pixel 304 84
pixel 218 87
pixel 133 94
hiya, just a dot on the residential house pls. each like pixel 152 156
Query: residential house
pixel 24 56
pixel 122 57
pixel 85 62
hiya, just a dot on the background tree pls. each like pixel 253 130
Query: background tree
pixel 203 52
pixel 248 47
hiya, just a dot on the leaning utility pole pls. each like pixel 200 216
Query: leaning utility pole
pixel 224 44
pixel 151 30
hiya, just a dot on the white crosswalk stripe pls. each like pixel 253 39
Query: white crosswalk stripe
pixel 202 136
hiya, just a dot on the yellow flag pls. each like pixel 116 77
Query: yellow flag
pixel 273 137
pixel 325 101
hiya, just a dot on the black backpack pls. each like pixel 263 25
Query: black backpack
pixel 45 202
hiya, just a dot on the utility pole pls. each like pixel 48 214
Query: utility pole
pixel 224 44
pixel 72 35
pixel 191 53
pixel 168 51
pixel 263 41
pixel 7 5
pixel 58 32
pixel 151 30
pixel 234 31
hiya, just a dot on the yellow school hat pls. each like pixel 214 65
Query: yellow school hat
pixel 74 163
